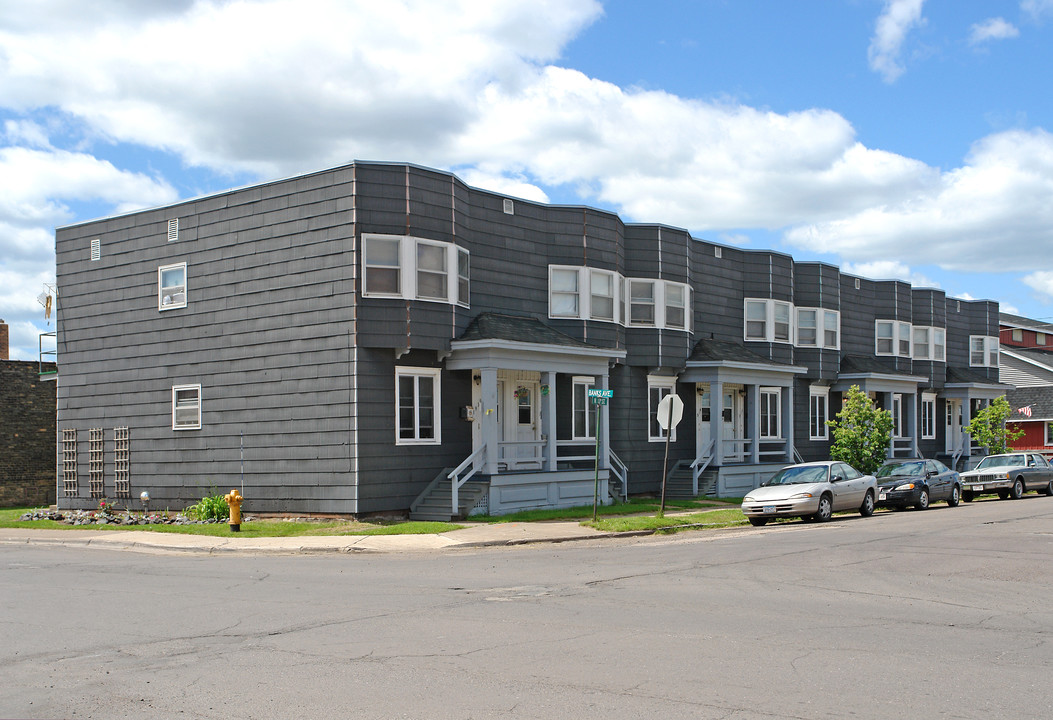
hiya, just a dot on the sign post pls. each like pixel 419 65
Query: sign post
pixel 598 397
pixel 670 411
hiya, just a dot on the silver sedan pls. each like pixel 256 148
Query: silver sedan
pixel 811 490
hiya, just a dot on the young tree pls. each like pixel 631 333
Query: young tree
pixel 988 428
pixel 861 432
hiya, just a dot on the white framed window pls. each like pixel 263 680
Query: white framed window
pixel 641 302
pixel 770 413
pixel 463 267
pixel 922 345
pixel 892 338
pixel 939 344
pixel 1018 335
pixel 383 260
pixel 411 268
pixel 171 286
pixel 832 329
pixel 676 296
pixel 756 320
pixel 818 412
pixel 186 407
pixel 1049 437
pixel 658 386
pixel 807 327
pixel 1040 338
pixel 564 297
pixel 584 410
pixel 768 321
pixel 928 416
pixel 417 404
pixel 983 351
pixel 433 275
pixel 602 295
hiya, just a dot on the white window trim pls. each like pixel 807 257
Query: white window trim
pixel 816 315
pixel 407 269
pixel 686 306
pixel 820 328
pixel 898 329
pixel 658 381
pixel 417 270
pixel 777 394
pixel 941 356
pixel 1046 429
pixel 769 322
pixel 579 314
pixel 615 279
pixel 621 299
pixel 588 381
pixel 418 372
pixel 928 399
pixel 819 391
pixel 837 316
pixel 655 304
pixel 200 409
pixel 160 288
pixel 990 350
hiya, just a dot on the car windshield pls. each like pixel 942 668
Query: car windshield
pixel 798 474
pixel 995 461
pixel 900 469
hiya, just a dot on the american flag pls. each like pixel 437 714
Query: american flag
pixel 1025 411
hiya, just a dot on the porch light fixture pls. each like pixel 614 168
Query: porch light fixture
pixel 477 379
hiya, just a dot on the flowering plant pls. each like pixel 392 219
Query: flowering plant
pixel 106 507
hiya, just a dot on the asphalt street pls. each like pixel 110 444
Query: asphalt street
pixel 945 613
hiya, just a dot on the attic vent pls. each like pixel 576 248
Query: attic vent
pixel 959 305
pixel 510 208
pixel 96 249
pixel 857 283
pixel 717 252
pixel 173 229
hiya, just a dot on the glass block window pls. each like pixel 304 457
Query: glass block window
pixel 69 463
pixel 95 463
pixel 121 483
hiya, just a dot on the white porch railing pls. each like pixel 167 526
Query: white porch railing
pixel 620 471
pixel 737 449
pixel 699 466
pixel 773 448
pixel 456 481
pixel 585 450
pixel 535 455
pixel 902 447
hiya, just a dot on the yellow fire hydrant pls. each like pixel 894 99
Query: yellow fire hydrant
pixel 234 499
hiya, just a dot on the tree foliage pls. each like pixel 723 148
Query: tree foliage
pixel 862 432
pixel 989 430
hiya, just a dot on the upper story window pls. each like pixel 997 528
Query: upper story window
pixel 817 327
pixel 1018 335
pixel 186 407
pixel 892 338
pixel 929 343
pixel 401 266
pixel 171 286
pixel 584 293
pixel 983 351
pixel 768 321
pixel 1040 338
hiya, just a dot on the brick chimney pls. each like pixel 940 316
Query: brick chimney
pixel 3 341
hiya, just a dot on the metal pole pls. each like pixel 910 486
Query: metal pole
pixel 665 460
pixel 596 477
pixel 243 463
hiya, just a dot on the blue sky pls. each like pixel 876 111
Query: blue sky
pixel 895 138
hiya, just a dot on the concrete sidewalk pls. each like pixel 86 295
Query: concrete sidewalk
pixel 476 535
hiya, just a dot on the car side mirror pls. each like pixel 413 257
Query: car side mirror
pixel 837 478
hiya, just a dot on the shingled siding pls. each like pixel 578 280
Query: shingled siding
pixel 27 435
pixel 267 332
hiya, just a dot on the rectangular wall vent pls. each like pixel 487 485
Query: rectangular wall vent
pixel 173 229
pixel 96 249
pixel 717 252
pixel 510 208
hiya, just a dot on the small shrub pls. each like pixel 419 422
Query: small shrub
pixel 212 507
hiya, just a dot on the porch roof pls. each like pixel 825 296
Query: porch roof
pixel 872 375
pixel 967 383
pixel 725 361
pixel 516 342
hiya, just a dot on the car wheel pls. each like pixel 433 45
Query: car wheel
pixel 758 522
pixel 826 509
pixel 867 508
pixel 1049 488
pixel 967 495
pixel 1017 491
pixel 923 500
pixel 955 496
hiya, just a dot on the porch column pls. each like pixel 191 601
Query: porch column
pixel 787 421
pixel 967 440
pixel 488 424
pixel 886 399
pixel 605 425
pixel 753 421
pixel 912 421
pixel 548 419
pixel 716 421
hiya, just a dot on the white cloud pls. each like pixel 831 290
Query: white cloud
pixel 897 19
pixel 889 270
pixel 992 29
pixel 998 207
pixel 1042 282
pixel 1037 9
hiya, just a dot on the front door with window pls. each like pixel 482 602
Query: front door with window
pixel 954 426
pixel 518 421
pixel 733 423
pixel 703 434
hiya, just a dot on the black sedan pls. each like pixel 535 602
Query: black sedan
pixel 916 483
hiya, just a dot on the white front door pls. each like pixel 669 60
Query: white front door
pixel 519 421
pixel 733 423
pixel 954 426
pixel 703 433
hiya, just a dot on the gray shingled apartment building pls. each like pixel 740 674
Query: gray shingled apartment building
pixel 383 338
